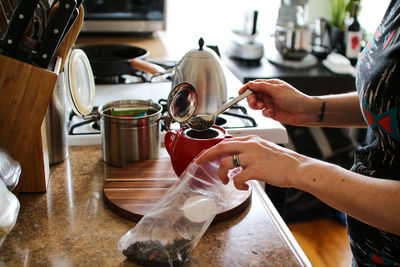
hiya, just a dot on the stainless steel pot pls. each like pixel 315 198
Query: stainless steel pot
pixel 292 41
pixel 130 139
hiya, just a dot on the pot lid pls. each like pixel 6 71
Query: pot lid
pixel 202 52
pixel 79 82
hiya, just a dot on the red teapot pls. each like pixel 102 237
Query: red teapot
pixel 185 144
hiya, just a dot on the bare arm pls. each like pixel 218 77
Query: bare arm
pixel 281 101
pixel 371 200
pixel 341 110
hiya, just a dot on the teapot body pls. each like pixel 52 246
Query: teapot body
pixel 203 69
pixel 184 145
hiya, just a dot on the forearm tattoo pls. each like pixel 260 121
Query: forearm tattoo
pixel 322 114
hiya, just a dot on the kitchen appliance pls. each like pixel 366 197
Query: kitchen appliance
pixel 124 16
pixel 184 145
pixel 245 43
pixel 292 35
pixel 202 68
pixel 293 42
pixel 320 39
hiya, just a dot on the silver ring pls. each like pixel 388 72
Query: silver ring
pixel 236 161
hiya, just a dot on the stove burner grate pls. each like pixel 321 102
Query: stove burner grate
pixel 219 120
pixel 74 126
pixel 235 111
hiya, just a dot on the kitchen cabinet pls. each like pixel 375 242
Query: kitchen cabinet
pixel 71 226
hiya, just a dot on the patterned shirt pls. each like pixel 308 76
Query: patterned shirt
pixel 378 86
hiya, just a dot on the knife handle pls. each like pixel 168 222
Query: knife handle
pixel 3 20
pixel 74 16
pixel 7 8
pixel 78 3
pixel 53 33
pixel 17 24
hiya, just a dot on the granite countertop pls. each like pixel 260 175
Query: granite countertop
pixel 70 225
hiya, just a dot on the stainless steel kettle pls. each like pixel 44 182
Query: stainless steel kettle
pixel 202 68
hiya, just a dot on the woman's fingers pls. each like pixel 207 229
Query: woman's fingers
pixel 260 85
pixel 239 179
pixel 245 152
pixel 226 164
pixel 227 147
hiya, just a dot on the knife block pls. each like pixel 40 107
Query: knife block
pixel 25 93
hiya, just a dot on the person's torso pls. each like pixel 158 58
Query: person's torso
pixel 378 86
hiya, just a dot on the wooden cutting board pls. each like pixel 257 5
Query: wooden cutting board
pixel 133 190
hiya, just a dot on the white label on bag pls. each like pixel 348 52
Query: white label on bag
pixel 199 208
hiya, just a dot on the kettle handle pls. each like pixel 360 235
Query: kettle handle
pixel 169 140
pixel 177 75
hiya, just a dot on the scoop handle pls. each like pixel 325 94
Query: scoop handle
pixel 233 101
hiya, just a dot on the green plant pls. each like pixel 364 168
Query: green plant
pixel 339 10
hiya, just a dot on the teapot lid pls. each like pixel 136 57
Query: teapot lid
pixel 201 52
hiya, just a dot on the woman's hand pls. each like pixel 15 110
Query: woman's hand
pixel 259 159
pixel 281 101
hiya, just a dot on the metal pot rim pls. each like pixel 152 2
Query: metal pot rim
pixel 130 103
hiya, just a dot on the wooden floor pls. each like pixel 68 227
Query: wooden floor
pixel 324 241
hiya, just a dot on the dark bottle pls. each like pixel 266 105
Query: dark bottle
pixel 353 36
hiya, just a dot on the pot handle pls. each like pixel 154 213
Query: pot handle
pixel 147 67
pixel 92 116
pixel 169 140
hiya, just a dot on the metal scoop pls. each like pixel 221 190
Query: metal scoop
pixel 181 104
pixel 206 121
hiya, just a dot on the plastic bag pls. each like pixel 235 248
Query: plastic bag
pixel 9 209
pixel 10 169
pixel 167 234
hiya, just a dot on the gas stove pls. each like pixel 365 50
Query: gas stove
pixel 238 120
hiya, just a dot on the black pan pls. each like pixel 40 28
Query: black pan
pixel 114 59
